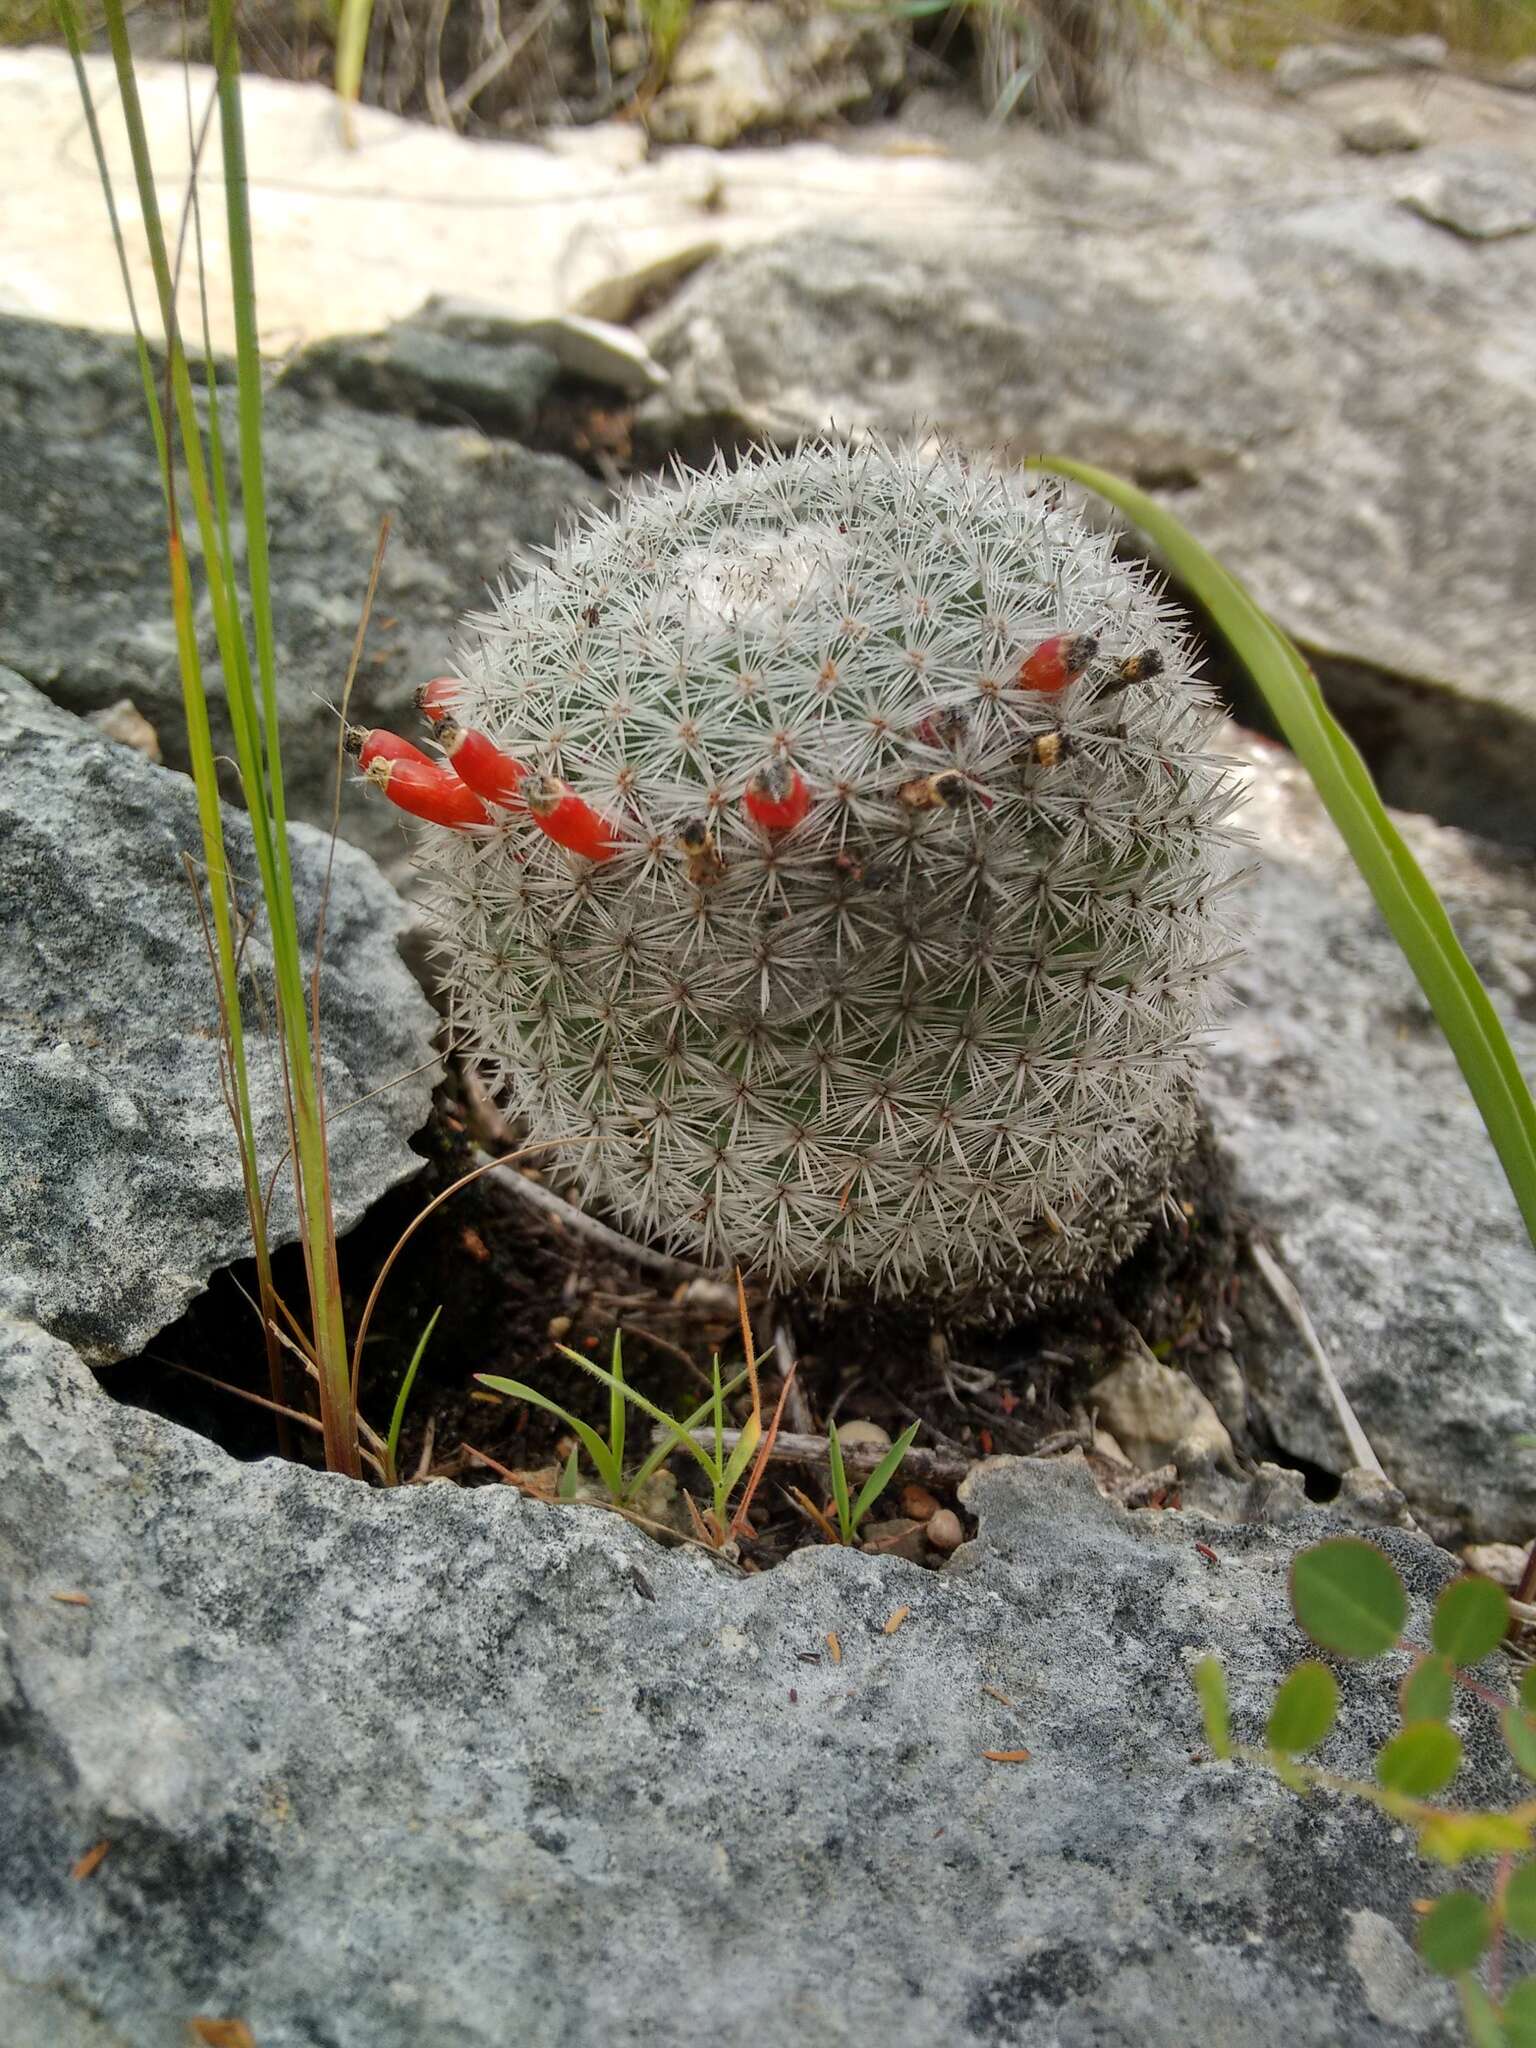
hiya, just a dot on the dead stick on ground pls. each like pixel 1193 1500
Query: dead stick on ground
pixel 784 1353
pixel 609 1240
pixel 1284 1290
pixel 858 1458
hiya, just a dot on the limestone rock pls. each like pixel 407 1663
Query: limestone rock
pixel 1294 376
pixel 1481 196
pixel 296 1707
pixel 1385 131
pixel 84 606
pixel 1363 1162
pixel 121 1188
pixel 1307 66
pixel 1152 1410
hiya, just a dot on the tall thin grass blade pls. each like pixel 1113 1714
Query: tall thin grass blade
pixel 1413 911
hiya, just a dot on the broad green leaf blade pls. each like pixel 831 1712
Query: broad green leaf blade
pixel 746 1448
pixel 1519 2014
pixel 1471 1617
pixel 1211 1686
pixel 1348 1597
pixel 1304 1709
pixel 1454 1933
pixel 591 1442
pixel 1528 1688
pixel 839 1483
pixel 1421 1759
pixel 1412 909
pixel 1520 1901
pixel 883 1473
pixel 1520 1738
pixel 566 1489
pixel 1426 1693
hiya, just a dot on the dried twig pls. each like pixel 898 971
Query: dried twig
pixel 601 1234
pixel 857 1458
pixel 1284 1290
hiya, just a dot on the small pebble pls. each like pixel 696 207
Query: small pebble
pixel 1501 1562
pixel 863 1436
pixel 944 1531
pixel 900 1538
pixel 559 1326
pixel 917 1503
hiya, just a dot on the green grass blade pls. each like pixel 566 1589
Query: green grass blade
pixel 617 1406
pixel 392 1441
pixel 1413 911
pixel 591 1442
pixel 664 1450
pixel 351 46
pixel 883 1474
pixel 839 1484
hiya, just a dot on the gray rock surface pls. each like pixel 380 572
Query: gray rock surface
pixel 433 1767
pixel 748 65
pixel 121 1189
pixel 1336 396
pixel 1365 1164
pixel 1387 131
pixel 1481 196
pixel 84 611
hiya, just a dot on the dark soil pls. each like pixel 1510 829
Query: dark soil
pixel 513 1283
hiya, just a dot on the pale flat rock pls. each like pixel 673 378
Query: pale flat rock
pixel 555 1773
pixel 121 1190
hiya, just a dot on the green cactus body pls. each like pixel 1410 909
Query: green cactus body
pixel 939 1035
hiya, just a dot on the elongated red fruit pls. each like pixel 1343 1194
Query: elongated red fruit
pixel 777 797
pixel 479 763
pixel 374 743
pixel 435 700
pixel 1057 662
pixel 569 819
pixel 428 790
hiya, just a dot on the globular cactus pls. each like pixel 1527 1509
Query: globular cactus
pixel 891 906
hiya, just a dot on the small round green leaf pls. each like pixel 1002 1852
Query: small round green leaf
pixel 1420 1760
pixel 1520 1736
pixel 1426 1693
pixel 1519 2014
pixel 1528 1688
pixel 1471 1617
pixel 1520 1901
pixel 1454 1933
pixel 1304 1709
pixel 1348 1597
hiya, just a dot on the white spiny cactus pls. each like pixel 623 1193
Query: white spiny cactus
pixel 940 1034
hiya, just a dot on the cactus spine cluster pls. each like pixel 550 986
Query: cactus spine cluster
pixel 895 973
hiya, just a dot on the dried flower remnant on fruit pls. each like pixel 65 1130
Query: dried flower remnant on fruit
pixel 852 943
pixel 481 765
pixel 427 790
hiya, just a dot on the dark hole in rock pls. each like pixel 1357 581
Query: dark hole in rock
pixel 512 1285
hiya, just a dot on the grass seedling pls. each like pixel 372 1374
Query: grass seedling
pixel 392 1441
pixel 850 1515
pixel 607 1456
